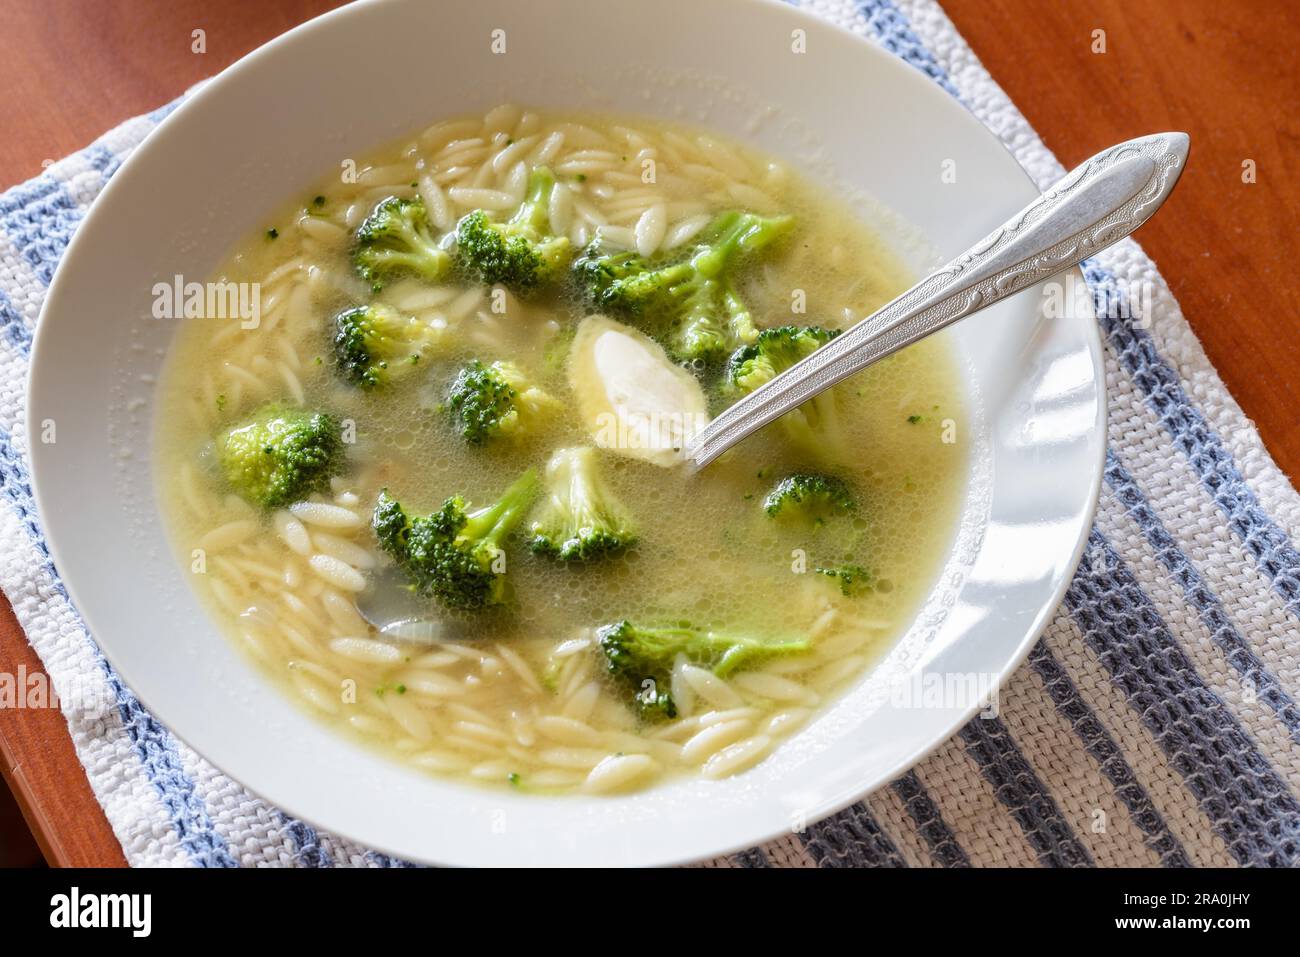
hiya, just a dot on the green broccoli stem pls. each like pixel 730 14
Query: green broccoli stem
pixel 494 522
pixel 579 520
pixel 732 655
pixel 416 240
pixel 739 317
pixel 409 234
pixel 735 233
pixel 728 653
pixel 714 255
pixel 738 657
pixel 655 281
pixel 535 211
pixel 417 262
pixel 701 335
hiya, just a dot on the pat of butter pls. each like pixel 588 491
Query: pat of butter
pixel 634 400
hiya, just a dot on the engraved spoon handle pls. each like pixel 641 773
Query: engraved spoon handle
pixel 1094 205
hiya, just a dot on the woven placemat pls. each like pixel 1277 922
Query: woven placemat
pixel 1154 724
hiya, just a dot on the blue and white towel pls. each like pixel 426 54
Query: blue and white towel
pixel 1154 724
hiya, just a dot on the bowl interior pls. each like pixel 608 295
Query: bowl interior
pixel 847 113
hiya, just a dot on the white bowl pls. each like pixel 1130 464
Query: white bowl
pixel 357 78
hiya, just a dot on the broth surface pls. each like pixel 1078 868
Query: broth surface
pixel 522 697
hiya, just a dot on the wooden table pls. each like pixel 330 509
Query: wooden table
pixel 70 69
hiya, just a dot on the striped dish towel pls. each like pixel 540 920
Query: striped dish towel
pixel 1154 724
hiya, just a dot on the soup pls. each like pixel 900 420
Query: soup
pixel 434 485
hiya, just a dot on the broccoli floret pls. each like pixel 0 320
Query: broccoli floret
pixel 454 555
pixel 625 282
pixel 523 252
pixel 579 520
pixel 853 579
pixel 809 498
pixel 395 240
pixel 774 351
pixel 497 400
pixel 281 455
pixel 691 302
pixel 375 344
pixel 642 658
pixel 814 425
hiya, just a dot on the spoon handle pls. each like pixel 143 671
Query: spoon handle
pixel 1094 205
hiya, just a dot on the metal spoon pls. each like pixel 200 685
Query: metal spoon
pixel 1094 205
pixel 398 613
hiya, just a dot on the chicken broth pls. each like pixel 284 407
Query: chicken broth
pixel 747 603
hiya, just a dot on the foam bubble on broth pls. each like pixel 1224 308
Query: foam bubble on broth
pixel 706 550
